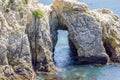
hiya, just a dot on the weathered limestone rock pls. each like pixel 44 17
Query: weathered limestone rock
pixel 54 24
pixel 84 31
pixel 27 43
pixel 110 24
pixel 14 45
pixel 41 44
pixel 6 70
pixel 24 39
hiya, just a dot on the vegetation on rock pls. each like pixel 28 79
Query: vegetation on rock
pixel 9 2
pixel 20 9
pixel 7 7
pixel 24 1
pixel 38 13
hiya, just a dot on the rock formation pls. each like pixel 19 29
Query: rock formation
pixel 27 40
pixel 110 24
pixel 41 44
pixel 84 31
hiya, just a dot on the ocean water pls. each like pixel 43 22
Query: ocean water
pixel 67 69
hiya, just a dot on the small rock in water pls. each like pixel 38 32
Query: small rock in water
pixel 53 77
pixel 97 65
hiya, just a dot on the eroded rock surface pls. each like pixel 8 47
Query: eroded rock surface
pixel 27 43
pixel 15 56
pixel 84 31
pixel 41 44
pixel 110 24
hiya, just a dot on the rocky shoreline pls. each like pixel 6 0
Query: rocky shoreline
pixel 28 35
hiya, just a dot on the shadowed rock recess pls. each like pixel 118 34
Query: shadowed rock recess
pixel 27 41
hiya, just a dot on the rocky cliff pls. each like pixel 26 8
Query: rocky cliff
pixel 28 35
pixel 25 41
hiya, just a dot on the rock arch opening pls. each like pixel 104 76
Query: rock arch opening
pixel 62 51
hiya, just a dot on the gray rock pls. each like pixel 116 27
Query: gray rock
pixel 54 26
pixel 27 42
pixel 41 44
pixel 14 44
pixel 84 31
pixel 110 24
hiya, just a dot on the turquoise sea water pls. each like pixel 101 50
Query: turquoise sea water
pixel 67 69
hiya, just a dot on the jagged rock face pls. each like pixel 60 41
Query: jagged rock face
pixel 54 26
pixel 24 40
pixel 39 35
pixel 15 56
pixel 110 25
pixel 41 44
pixel 27 42
pixel 84 31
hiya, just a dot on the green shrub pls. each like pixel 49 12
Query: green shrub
pixel 19 8
pixel 9 2
pixel 38 13
pixel 24 1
